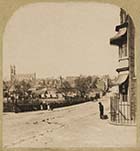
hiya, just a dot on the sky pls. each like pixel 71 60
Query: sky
pixel 67 39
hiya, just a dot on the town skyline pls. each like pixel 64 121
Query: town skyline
pixel 56 77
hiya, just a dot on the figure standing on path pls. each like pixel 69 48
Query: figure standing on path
pixel 101 109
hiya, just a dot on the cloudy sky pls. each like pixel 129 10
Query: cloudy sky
pixel 55 39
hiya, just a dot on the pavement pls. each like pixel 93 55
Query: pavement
pixel 73 126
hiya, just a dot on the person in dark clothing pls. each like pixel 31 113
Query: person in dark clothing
pixel 101 109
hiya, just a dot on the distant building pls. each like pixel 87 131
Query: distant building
pixel 106 79
pixel 100 84
pixel 123 105
pixel 20 77
pixel 52 83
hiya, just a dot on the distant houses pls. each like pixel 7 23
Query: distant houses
pixel 25 92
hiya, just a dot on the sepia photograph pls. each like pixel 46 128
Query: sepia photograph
pixel 69 76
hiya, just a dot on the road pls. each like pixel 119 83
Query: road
pixel 73 126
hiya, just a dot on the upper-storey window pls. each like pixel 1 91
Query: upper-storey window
pixel 123 51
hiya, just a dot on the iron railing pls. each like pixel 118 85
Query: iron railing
pixel 121 111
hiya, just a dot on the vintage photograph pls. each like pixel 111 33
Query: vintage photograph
pixel 69 76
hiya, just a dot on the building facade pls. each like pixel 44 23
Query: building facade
pixel 21 77
pixel 123 104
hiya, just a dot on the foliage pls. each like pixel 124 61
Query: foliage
pixel 85 84
pixel 5 85
pixel 22 86
pixel 65 87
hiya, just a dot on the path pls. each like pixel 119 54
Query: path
pixel 73 126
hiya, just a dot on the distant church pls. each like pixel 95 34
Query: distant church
pixel 20 77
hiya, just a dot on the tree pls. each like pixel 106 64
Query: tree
pixel 5 85
pixel 21 87
pixel 25 85
pixel 85 84
pixel 82 85
pixel 65 87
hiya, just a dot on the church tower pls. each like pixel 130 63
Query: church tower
pixel 12 73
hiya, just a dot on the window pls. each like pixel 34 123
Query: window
pixel 123 51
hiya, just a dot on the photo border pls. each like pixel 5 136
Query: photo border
pixel 9 7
